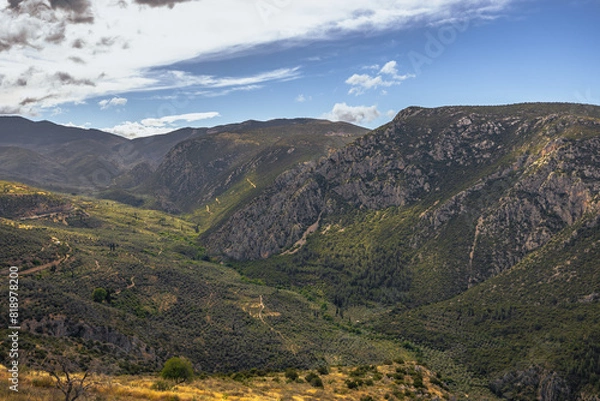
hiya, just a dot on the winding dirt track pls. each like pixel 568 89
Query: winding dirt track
pixel 48 265
pixel 44 266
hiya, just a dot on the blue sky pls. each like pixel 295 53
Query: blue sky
pixel 142 67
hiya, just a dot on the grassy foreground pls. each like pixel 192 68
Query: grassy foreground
pixel 394 381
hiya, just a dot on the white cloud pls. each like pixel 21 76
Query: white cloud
pixel 388 76
pixel 52 53
pixel 87 125
pixel 155 126
pixel 352 114
pixel 301 98
pixel 389 68
pixel 114 102
pixel 161 122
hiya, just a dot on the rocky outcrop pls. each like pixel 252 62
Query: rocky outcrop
pixel 522 174
pixel 62 326
pixel 196 171
pixel 532 384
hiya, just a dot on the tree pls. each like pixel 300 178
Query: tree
pixel 177 369
pixel 99 294
pixel 72 386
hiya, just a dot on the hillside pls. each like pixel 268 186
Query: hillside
pixel 232 163
pixel 177 171
pixel 163 296
pixel 463 238
pixel 434 206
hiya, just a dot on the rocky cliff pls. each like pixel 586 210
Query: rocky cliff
pixel 532 168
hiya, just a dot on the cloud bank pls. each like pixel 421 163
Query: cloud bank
pixel 54 52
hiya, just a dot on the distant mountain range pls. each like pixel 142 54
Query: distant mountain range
pixel 205 162
pixel 468 234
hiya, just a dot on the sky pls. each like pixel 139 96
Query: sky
pixel 144 67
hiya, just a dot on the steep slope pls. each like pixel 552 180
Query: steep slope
pixel 451 164
pixel 241 158
pixel 533 329
pixel 438 203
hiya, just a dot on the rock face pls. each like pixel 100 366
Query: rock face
pixel 196 171
pixel 532 384
pixel 521 173
pixel 118 343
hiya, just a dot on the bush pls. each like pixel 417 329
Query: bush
pixel 354 384
pixel 162 385
pixel 43 382
pixel 418 382
pixel 177 369
pixel 314 380
pixel 323 370
pixel 291 374
pixel 99 294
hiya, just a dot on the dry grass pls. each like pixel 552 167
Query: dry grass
pixel 37 386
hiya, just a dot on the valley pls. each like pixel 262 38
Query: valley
pixel 461 241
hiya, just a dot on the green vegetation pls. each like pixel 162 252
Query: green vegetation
pixel 99 294
pixel 133 287
pixel 482 267
pixel 177 369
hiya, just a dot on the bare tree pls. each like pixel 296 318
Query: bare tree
pixel 71 385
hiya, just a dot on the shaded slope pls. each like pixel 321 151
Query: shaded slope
pixel 199 170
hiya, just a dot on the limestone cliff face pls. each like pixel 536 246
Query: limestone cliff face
pixel 521 172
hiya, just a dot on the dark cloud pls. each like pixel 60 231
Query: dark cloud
pixel 77 60
pixel 30 100
pixel 21 82
pixel 80 10
pixel 78 43
pixel 19 37
pixel 36 21
pixel 14 3
pixel 78 6
pixel 160 3
pixel 9 110
pixel 57 36
pixel 67 79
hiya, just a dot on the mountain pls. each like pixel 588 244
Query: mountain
pixel 438 215
pixel 159 295
pixel 188 162
pixel 464 237
pixel 221 168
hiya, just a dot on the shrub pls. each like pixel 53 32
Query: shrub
pixel 162 385
pixel 177 369
pixel 291 374
pixel 354 384
pixel 314 380
pixel 43 382
pixel 99 294
pixel 323 370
